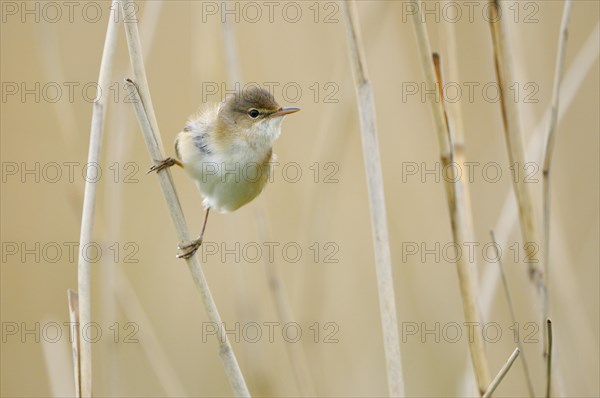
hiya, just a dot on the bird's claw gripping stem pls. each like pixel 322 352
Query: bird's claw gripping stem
pixel 188 249
pixel 163 164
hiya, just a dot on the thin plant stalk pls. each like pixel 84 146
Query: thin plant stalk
pixel 383 263
pixel 457 206
pixel 146 117
pixel 549 359
pixel 514 141
pixel 498 379
pixel 89 204
pixel 549 150
pixel 229 49
pixel 513 316
pixel 454 109
pixel 74 319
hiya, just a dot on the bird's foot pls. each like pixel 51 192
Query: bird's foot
pixel 163 164
pixel 188 249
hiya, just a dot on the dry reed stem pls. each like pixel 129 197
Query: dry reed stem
pixel 514 142
pixel 89 203
pixel 458 209
pixel 383 263
pixel 498 379
pixel 513 316
pixel 549 360
pixel 145 114
pixel 454 112
pixel 73 301
pixel 549 149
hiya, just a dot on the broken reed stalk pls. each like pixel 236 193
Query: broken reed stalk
pixel 549 149
pixel 145 114
pixel 89 204
pixel 74 319
pixel 513 316
pixel 457 207
pixel 498 379
pixel 549 359
pixel 383 262
pixel 514 142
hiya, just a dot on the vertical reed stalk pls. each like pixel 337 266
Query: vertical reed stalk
pixel 383 263
pixel 457 206
pixel 549 149
pixel 514 142
pixel 549 359
pixel 74 319
pixel 89 204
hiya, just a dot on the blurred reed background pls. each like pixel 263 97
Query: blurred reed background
pixel 155 333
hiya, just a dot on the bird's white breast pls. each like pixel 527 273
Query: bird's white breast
pixel 229 177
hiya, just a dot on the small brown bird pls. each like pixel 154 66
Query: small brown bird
pixel 227 150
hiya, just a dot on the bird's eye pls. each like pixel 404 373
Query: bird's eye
pixel 253 113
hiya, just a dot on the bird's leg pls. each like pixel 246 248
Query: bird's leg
pixel 188 250
pixel 163 164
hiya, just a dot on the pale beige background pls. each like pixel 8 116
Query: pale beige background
pixel 182 53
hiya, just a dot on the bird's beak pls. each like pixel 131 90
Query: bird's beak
pixel 283 112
